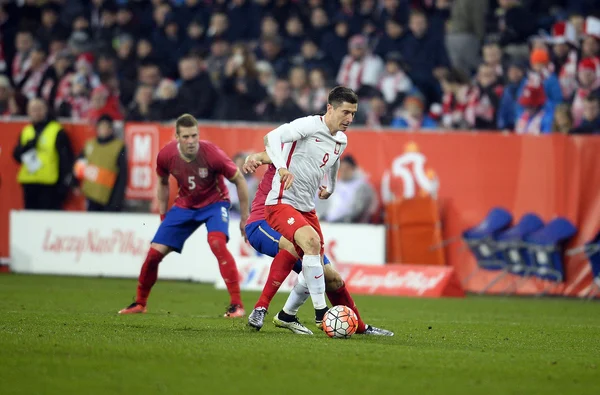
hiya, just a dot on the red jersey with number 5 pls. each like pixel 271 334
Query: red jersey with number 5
pixel 200 181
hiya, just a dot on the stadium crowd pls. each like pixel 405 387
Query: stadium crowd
pixel 529 66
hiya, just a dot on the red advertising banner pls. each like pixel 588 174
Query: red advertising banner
pixel 468 172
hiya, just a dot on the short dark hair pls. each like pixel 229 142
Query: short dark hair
pixel 341 94
pixel 349 159
pixel 592 97
pixel 185 120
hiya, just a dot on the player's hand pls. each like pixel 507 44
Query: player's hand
pixel 162 217
pixel 286 178
pixel 243 221
pixel 323 194
pixel 251 164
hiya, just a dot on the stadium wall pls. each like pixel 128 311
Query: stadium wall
pixel 554 175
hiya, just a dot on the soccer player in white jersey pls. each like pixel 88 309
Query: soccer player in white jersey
pixel 303 152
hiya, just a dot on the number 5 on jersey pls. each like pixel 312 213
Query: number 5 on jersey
pixel 191 182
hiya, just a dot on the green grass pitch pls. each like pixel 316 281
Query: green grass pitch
pixel 61 335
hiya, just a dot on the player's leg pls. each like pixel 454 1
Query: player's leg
pixel 216 217
pixel 172 233
pixel 294 226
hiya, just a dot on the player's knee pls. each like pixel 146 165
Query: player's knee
pixel 285 244
pixel 163 249
pixel 309 241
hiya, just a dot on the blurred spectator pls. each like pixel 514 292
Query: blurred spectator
pixel 46 159
pixel 5 94
pixel 590 47
pixel 484 99
pixel 493 57
pixel 355 199
pixel 21 62
pixel 281 108
pixel 244 18
pixel 425 55
pixel 466 31
pixel 589 82
pixel 510 109
pixel 311 57
pixel 564 57
pixel 102 169
pixel 32 79
pixel 197 95
pixel 217 59
pixel 378 114
pixel 396 9
pixel 170 45
pixel 335 44
pixel 194 36
pixel 319 21
pixel 590 123
pixel 241 89
pixel 73 98
pixel 166 105
pixel 318 92
pixel 456 92
pixel 50 25
pixel 392 38
pixel 126 22
pixel 8 30
pixel 412 116
pixel 125 48
pixel 360 70
pixel 269 26
pixel 272 51
pixel 514 23
pixel 218 27
pixel 189 10
pixel 294 29
pixel 536 117
pixel 103 102
pixel 540 64
pixel 140 109
pixel 563 120
pixel 395 83
pixel 266 76
pixel 300 89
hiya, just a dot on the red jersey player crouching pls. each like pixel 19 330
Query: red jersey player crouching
pixel 303 152
pixel 199 167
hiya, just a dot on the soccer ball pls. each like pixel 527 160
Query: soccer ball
pixel 340 322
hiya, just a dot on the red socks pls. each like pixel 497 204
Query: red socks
pixel 148 275
pixel 218 245
pixel 341 296
pixel 280 268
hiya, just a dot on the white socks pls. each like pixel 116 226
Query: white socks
pixel 315 280
pixel 297 297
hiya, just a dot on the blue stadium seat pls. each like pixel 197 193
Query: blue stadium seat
pixel 511 247
pixel 546 249
pixel 481 240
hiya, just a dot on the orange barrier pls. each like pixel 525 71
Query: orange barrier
pixel 551 175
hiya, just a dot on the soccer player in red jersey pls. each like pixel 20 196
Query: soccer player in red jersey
pixel 199 167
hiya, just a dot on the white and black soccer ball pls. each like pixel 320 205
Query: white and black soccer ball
pixel 340 322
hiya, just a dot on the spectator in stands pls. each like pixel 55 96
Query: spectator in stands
pixel 53 77
pixel 241 90
pixel 271 50
pixel 102 169
pixel 426 57
pixel 494 58
pixel 32 79
pixel 590 123
pixel 360 70
pixel 170 43
pixel 318 91
pixel 105 29
pixel 484 99
pixel 294 29
pixel 197 96
pixel 140 110
pixel 334 43
pixel 590 47
pixel 244 20
pixel 564 57
pixel 319 21
pixel 510 109
pixel 300 89
pixel 466 31
pixel 281 108
pixel 126 61
pixel 514 25
pixel 217 59
pixel 5 95
pixel 166 105
pixel 126 22
pixel 46 159
pixel 103 102
pixel 50 25
pixel 21 62
pixel 189 10
pixel 311 57
pixel 456 92
pixel 356 199
pixel 73 100
pixel 563 120
pixel 412 116
pixel 194 38
pixel 540 64
pixel 266 76
pixel 391 41
pixel 395 84
pixel 218 27
pixel 589 82
pixel 378 114
pixel 538 112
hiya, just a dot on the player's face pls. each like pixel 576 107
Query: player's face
pixel 343 115
pixel 188 140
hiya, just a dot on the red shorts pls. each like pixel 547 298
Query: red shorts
pixel 287 220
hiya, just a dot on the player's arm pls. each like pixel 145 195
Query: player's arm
pixel 162 194
pixel 324 193
pixel 254 161
pixel 242 190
